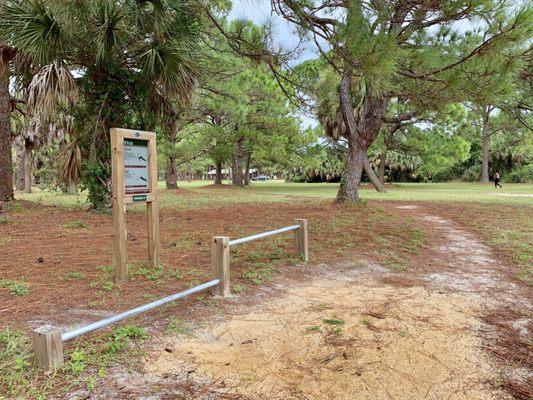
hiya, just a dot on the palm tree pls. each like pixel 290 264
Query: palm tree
pixel 130 58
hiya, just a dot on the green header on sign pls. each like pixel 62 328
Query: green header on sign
pixel 139 198
pixel 135 142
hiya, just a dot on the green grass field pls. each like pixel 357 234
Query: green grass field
pixel 198 195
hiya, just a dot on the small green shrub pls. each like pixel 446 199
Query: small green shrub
pixel 257 277
pixel 142 269
pixel 71 276
pixel 313 328
pixel 77 362
pixel 15 288
pixel 238 288
pixel 179 327
pixel 333 321
pixel 122 337
pixel 176 274
pixel 523 174
pixel 75 225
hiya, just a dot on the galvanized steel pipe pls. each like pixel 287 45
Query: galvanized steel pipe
pixel 111 320
pixel 262 235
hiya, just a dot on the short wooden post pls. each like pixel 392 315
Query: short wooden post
pixel 220 265
pixel 300 237
pixel 48 348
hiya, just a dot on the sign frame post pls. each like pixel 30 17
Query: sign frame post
pixel 124 192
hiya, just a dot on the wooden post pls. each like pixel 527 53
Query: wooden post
pixel 220 265
pixel 48 348
pixel 152 207
pixel 119 214
pixel 300 238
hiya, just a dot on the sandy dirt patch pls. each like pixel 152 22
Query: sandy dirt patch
pixel 344 340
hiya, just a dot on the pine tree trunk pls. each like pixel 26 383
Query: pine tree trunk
pixel 351 178
pixel 486 146
pixel 382 165
pixel 373 178
pixel 6 163
pixel 171 174
pixel 20 166
pixel 238 179
pixel 361 134
pixel 218 173
pixel 247 171
pixel 28 168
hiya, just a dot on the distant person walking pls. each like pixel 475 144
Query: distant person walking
pixel 497 179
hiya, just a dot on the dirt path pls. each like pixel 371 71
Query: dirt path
pixel 348 335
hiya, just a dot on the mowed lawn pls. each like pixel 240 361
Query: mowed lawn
pixel 198 194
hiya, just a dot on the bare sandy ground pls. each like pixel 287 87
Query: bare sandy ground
pixel 344 339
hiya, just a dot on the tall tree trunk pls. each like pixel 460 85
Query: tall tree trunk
pixel 171 173
pixel 218 173
pixel 28 167
pixel 20 165
pixel 247 173
pixel 238 179
pixel 361 134
pixel 382 166
pixel 486 144
pixel 373 178
pixel 351 178
pixel 6 163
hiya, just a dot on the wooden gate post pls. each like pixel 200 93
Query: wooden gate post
pixel 300 237
pixel 220 265
pixel 48 348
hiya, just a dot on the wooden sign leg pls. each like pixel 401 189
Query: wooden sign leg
pixel 119 251
pixel 153 233
pixel 119 213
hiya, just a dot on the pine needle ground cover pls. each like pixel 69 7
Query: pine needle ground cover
pixel 66 277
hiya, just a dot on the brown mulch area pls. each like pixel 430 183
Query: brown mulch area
pixel 512 347
pixel 42 250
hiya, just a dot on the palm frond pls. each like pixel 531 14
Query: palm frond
pixel 32 28
pixel 51 87
pixel 70 171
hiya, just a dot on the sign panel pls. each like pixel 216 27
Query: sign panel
pixel 136 179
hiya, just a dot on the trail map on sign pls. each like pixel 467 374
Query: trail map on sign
pixel 136 166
